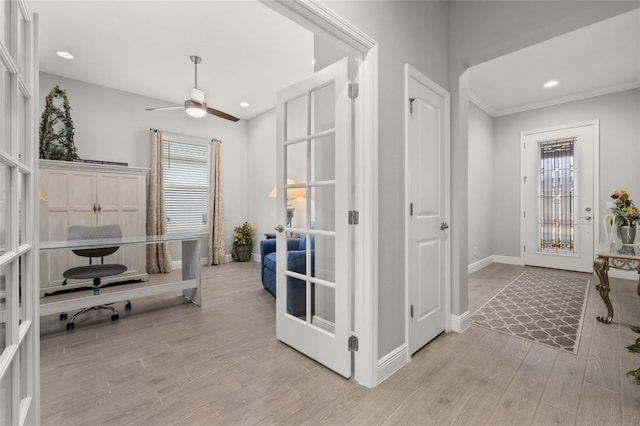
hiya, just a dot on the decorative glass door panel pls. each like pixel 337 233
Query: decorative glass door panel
pixel 557 196
pixel 313 157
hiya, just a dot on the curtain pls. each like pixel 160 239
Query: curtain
pixel 158 255
pixel 215 243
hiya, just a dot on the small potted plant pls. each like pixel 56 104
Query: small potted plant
pixel 243 242
pixel 626 215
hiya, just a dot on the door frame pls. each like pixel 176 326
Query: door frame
pixel 595 126
pixel 322 21
pixel 411 72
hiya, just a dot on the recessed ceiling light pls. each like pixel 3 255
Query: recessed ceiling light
pixel 244 104
pixel 550 83
pixel 65 55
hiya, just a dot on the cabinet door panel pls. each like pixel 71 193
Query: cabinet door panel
pixel 82 192
pixel 109 192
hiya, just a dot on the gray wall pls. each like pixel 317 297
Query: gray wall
pixel 480 31
pixel 413 32
pixel 481 193
pixel 113 125
pixel 442 40
pixel 619 115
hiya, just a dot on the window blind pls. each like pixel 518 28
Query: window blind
pixel 186 177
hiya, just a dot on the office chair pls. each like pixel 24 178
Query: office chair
pixel 94 271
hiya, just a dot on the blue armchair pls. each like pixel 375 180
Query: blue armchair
pixel 296 262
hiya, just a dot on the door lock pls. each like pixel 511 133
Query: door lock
pixel 443 226
pixel 279 228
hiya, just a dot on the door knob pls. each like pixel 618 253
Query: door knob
pixel 444 226
pixel 587 218
pixel 279 228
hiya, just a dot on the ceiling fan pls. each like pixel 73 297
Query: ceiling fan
pixel 195 106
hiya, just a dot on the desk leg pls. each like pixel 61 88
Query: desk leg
pixel 191 269
pixel 601 267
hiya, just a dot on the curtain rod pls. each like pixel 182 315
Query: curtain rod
pixel 214 140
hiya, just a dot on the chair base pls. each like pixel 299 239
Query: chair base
pixel 114 313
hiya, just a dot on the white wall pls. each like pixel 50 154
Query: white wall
pixel 414 32
pixel 113 125
pixel 619 155
pixel 262 176
pixel 481 194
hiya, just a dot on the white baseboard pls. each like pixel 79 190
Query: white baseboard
pixel 476 266
pixel 392 362
pixel 256 257
pixel 228 258
pixel 460 323
pixel 509 260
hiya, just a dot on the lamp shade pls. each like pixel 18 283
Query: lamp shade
pixel 291 192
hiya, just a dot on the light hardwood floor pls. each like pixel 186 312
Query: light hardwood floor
pixel 170 362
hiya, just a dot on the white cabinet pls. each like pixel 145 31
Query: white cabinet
pixel 90 194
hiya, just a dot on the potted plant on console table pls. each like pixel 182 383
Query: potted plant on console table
pixel 243 242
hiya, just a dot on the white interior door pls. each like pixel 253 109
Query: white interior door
pixel 19 301
pixel 427 192
pixel 313 162
pixel 559 181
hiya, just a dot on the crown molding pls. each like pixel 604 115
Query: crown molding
pixel 473 97
pixel 571 98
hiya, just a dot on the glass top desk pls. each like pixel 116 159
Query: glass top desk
pixel 617 256
pixel 190 284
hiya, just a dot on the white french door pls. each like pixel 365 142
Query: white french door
pixel 559 183
pixel 313 302
pixel 19 298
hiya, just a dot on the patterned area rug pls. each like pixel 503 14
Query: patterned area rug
pixel 540 307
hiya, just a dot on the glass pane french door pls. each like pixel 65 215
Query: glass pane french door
pixel 313 169
pixel 19 303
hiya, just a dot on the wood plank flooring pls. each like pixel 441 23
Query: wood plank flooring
pixel 170 362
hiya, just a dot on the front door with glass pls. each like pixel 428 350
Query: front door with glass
pixel 558 188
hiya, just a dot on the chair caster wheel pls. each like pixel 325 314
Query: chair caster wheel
pixel 127 307
pixel 115 317
pixel 63 316
pixel 70 326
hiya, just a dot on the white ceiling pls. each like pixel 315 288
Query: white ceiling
pixel 598 59
pixel 248 51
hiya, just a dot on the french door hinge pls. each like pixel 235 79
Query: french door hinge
pixel 524 214
pixel 524 249
pixel 411 100
pixel 411 311
pixel 353 344
pixel 353 217
pixel 411 209
pixel 354 90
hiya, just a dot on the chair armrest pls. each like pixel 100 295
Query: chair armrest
pixel 266 247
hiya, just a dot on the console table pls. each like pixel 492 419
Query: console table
pixel 190 284
pixel 617 256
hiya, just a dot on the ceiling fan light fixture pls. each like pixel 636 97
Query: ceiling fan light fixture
pixel 195 109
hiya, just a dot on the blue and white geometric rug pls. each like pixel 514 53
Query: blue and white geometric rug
pixel 540 307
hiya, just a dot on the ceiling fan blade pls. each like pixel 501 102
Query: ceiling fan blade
pixel 221 114
pixel 165 108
